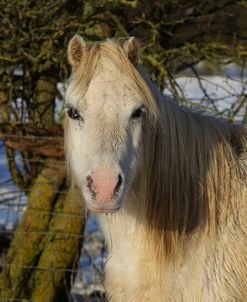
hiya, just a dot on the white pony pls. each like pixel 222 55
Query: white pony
pixel 174 181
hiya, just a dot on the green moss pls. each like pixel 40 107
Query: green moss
pixel 61 248
pixel 28 243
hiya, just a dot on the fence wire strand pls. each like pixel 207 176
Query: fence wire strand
pixel 87 284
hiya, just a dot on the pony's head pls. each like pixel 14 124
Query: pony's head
pixel 107 102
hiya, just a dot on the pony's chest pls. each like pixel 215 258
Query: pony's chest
pixel 123 244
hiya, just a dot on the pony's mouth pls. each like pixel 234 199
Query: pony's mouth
pixel 102 210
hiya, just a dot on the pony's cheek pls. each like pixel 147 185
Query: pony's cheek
pixel 76 153
pixel 77 165
pixel 134 151
pixel 136 135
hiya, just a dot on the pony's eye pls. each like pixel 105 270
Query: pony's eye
pixel 137 113
pixel 73 113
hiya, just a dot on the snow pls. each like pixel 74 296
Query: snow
pixel 222 92
pixel 216 93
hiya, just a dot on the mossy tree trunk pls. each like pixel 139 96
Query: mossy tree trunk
pixel 61 251
pixel 46 243
pixel 5 105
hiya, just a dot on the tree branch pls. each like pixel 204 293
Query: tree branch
pixel 37 140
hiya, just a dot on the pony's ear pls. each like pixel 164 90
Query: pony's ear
pixel 76 50
pixel 132 48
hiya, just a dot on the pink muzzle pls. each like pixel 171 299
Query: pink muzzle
pixel 103 186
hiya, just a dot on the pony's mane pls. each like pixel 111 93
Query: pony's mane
pixel 194 171
pixel 193 167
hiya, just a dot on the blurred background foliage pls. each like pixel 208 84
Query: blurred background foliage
pixel 175 36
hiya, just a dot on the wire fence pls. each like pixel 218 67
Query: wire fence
pixel 87 273
pixel 226 97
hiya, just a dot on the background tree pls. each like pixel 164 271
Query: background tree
pixel 175 36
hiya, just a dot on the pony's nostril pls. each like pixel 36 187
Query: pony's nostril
pixel 89 181
pixel 90 186
pixel 119 183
